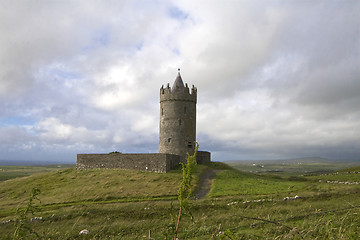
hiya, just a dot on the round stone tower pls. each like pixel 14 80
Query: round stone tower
pixel 177 119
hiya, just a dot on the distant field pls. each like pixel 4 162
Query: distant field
pixel 126 204
pixel 291 167
pixel 9 172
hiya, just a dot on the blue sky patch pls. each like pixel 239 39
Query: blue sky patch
pixel 16 120
pixel 176 13
pixel 102 37
pixel 139 46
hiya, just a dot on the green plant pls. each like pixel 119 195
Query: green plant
pixel 227 233
pixel 21 225
pixel 115 152
pixel 186 188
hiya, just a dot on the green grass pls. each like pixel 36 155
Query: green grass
pixel 351 169
pixel 72 186
pixel 125 204
pixel 135 220
pixel 337 177
pixel 232 182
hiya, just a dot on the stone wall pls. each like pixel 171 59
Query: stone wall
pixel 153 162
pixel 203 157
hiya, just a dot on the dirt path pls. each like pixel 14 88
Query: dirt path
pixel 205 183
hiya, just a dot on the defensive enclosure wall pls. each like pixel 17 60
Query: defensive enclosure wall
pixel 152 162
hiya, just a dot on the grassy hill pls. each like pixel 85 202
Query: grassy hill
pixel 72 186
pixel 126 204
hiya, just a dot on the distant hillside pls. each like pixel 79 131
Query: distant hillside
pixel 351 169
pixel 292 161
pixel 32 162
pixel 288 167
pixel 10 172
pixel 302 160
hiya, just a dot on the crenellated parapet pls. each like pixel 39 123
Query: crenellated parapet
pixel 178 92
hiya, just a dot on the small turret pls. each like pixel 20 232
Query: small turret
pixel 178 84
pixel 178 91
pixel 177 119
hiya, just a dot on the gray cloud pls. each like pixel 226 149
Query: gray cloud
pixel 275 79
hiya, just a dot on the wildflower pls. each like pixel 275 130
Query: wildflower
pixel 35 219
pixel 291 198
pixel 84 231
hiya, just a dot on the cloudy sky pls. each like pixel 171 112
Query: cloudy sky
pixel 276 79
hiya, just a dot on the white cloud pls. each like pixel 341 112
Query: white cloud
pixel 274 79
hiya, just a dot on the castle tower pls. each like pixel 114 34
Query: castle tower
pixel 177 119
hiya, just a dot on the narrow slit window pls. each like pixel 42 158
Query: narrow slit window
pixel 189 144
pixel 162 111
pixel 169 139
pixel 185 110
pixel 180 122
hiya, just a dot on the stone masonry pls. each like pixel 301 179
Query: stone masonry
pixel 177 119
pixel 154 162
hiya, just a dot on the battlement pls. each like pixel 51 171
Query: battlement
pixel 178 93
